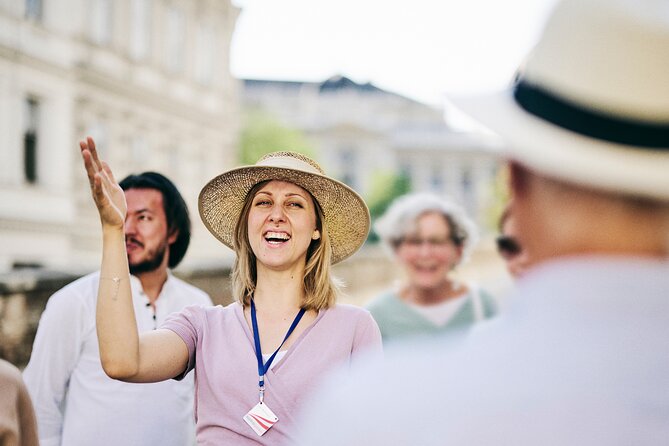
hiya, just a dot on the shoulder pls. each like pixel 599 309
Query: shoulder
pixel 194 321
pixel 206 313
pixel 387 306
pixel 348 310
pixel 80 292
pixel 383 300
pixel 350 314
pixel 9 373
pixel 11 382
pixel 192 293
pixel 81 286
pixel 485 294
pixel 488 300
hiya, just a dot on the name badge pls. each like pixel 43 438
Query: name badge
pixel 260 418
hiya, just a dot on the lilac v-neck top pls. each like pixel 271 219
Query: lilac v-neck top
pixel 221 350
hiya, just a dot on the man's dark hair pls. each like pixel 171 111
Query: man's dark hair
pixel 176 211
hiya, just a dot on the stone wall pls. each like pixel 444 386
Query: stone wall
pixel 24 294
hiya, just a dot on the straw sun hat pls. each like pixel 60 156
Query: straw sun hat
pixel 591 103
pixel 346 216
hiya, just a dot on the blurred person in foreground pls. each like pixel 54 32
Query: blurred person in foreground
pixel 580 355
pixel 75 401
pixel 17 417
pixel 429 237
pixel 508 246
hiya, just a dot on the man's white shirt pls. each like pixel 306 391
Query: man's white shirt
pixel 76 403
pixel 579 356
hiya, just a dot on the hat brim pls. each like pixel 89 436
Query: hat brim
pixel 562 154
pixel 346 216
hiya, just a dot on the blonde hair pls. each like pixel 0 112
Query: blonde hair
pixel 320 287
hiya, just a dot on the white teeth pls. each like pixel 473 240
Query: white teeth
pixel 277 235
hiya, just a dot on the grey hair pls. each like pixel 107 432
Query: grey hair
pixel 401 217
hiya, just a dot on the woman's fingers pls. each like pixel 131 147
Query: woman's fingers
pixel 98 191
pixel 94 153
pixel 106 192
pixel 88 164
pixel 98 172
pixel 107 170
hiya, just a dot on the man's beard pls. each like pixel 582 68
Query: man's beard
pixel 150 264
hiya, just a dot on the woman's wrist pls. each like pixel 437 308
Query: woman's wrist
pixel 113 231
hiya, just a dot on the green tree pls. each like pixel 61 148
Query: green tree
pixel 385 187
pixel 262 133
pixel 500 198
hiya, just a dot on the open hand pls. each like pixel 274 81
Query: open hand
pixel 107 194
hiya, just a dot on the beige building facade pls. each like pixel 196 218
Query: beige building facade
pixel 360 131
pixel 148 79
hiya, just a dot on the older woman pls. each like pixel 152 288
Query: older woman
pixel 257 359
pixel 429 237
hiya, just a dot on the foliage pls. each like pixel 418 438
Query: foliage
pixel 500 198
pixel 262 133
pixel 386 186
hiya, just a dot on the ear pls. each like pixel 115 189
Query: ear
pixel 458 252
pixel 174 235
pixel 316 235
pixel 518 179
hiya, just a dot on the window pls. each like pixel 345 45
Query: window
pixel 34 10
pixel 348 161
pixel 206 53
pixel 173 160
pixel 467 192
pixel 406 172
pixel 101 21
pixel 30 139
pixel 175 40
pixel 98 131
pixel 139 151
pixel 436 179
pixel 141 29
pixel 466 180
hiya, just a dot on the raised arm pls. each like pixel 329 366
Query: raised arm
pixel 156 356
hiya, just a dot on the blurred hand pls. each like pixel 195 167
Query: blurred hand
pixel 107 194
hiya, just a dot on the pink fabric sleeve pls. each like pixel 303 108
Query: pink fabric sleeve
pixel 187 324
pixel 367 341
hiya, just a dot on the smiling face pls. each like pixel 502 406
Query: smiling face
pixel 281 225
pixel 146 232
pixel 428 253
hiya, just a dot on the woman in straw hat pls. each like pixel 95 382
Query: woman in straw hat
pixel 257 359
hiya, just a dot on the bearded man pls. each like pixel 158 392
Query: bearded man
pixel 75 402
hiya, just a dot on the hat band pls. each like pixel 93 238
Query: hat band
pixel 596 125
pixel 288 162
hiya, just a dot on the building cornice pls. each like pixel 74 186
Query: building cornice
pixel 153 99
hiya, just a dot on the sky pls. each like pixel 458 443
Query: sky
pixel 422 49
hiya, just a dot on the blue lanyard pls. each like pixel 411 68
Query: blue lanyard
pixel 263 368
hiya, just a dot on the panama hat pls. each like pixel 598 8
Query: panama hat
pixel 591 103
pixel 346 216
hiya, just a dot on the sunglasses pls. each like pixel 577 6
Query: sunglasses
pixel 507 246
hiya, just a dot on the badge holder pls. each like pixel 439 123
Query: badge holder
pixel 260 417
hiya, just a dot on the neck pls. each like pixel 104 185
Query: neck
pixel 595 224
pixel 279 291
pixel 430 296
pixel 152 282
